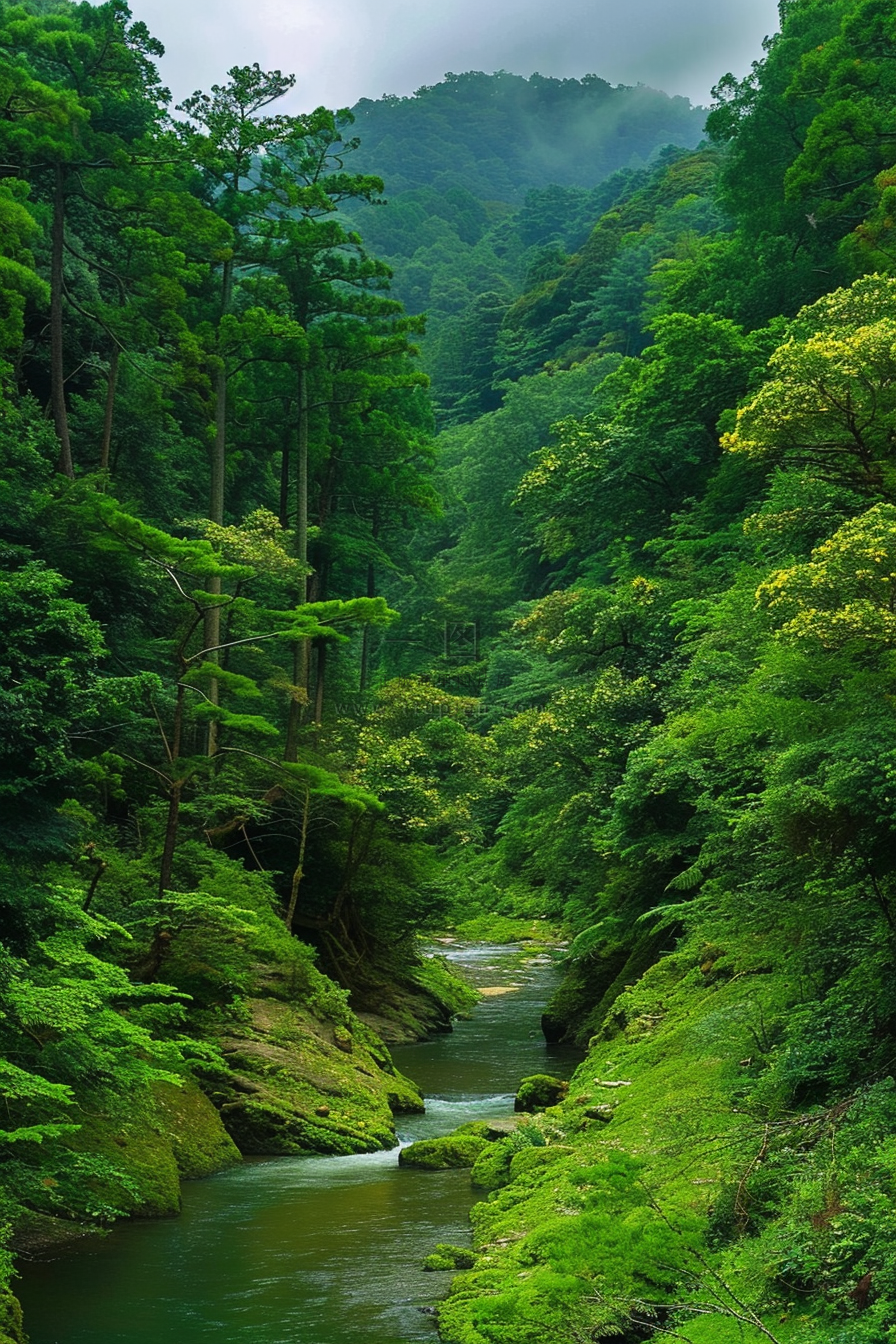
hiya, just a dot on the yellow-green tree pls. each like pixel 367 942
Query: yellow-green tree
pixel 847 591
pixel 830 403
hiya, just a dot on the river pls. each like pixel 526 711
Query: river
pixel 312 1250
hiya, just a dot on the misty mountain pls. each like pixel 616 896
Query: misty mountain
pixel 494 184
pixel 497 136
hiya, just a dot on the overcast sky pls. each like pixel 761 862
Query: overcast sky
pixel 343 50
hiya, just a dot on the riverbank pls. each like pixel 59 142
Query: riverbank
pixel 329 1248
pixel 673 1194
pixel 287 1069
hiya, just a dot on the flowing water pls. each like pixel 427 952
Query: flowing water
pixel 312 1250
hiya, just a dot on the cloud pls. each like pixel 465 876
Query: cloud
pixel 363 48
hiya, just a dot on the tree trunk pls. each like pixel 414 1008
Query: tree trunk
pixel 57 352
pixel 327 505
pixel 371 592
pixel 300 866
pixel 211 634
pixel 301 669
pixel 219 455
pixel 302 483
pixel 212 624
pixel 321 682
pixel 171 827
pixel 111 387
pixel 177 786
pixel 285 472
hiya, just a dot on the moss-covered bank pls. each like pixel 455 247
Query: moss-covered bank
pixel 678 1189
pixel 285 1069
pixel 409 1001
pixel 294 1083
pixel 131 1164
pixel 11 1328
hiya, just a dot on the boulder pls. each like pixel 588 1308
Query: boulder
pixel 11 1330
pixel 296 1084
pixel 500 1128
pixel 454 1150
pixel 553 1029
pixel 539 1091
pixel 491 1170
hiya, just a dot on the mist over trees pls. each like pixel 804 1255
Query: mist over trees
pixel 493 179
pixel 500 135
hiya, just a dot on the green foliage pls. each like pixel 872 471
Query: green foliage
pixel 18 281
pixel 643 684
pixel 569 118
pixel 474 563
pixel 420 757
pixel 828 405
pixel 48 672
pixel 495 928
pixel 844 594
pixel 468 231
pixel 635 462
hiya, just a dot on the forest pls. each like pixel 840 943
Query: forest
pixel 398 539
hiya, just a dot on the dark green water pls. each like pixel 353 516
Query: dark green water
pixel 311 1250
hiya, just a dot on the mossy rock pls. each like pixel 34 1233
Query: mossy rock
pixel 199 1141
pixel 530 1158
pixel 141 1177
pixel 539 1091
pixel 141 1156
pixel 11 1328
pixel 292 1088
pixel 403 1095
pixel 503 1126
pixel 264 1128
pixel 402 1008
pixel 431 1262
pixel 454 1150
pixel 447 1257
pixel 491 1170
pixel 479 1128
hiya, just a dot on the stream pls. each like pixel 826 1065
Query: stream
pixel 313 1250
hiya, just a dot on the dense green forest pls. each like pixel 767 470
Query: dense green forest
pixel 300 661
pixel 493 180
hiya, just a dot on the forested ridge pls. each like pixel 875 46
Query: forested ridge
pixel 492 179
pixel 290 678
